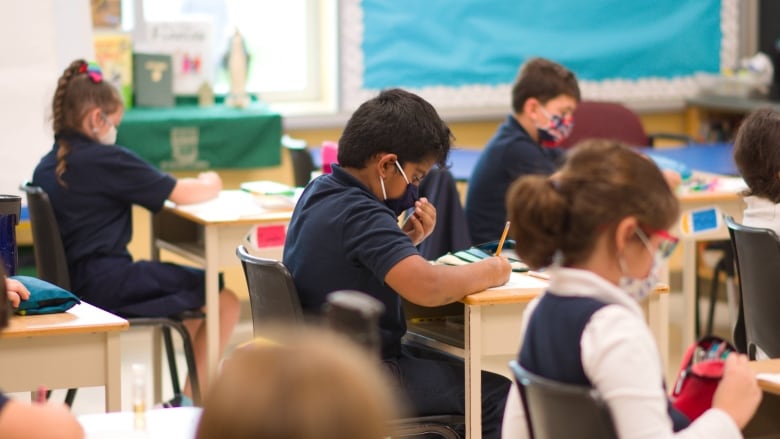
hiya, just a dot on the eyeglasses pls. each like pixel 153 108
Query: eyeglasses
pixel 668 243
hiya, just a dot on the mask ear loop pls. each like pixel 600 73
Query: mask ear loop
pixel 382 183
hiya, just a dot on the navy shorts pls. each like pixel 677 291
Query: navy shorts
pixel 140 289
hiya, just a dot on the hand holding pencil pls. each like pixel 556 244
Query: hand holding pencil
pixel 503 239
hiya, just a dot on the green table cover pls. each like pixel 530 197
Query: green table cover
pixel 192 138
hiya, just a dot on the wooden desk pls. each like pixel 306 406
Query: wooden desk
pixel 730 203
pixel 172 423
pixel 766 422
pixel 77 348
pixel 207 235
pixel 493 320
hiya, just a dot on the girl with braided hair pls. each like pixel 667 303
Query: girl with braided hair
pixel 93 184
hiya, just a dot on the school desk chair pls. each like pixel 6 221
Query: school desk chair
pixel 615 121
pixel 757 254
pixel 555 410
pixel 273 299
pixel 52 266
pixel 302 162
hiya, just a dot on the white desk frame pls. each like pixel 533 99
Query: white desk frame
pixel 207 235
pixel 77 348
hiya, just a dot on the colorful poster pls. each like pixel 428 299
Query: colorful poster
pixel 114 54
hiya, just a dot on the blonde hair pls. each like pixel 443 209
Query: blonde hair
pixel 306 385
pixel 77 93
pixel 602 182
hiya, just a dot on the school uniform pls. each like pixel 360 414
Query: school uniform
pixel 94 214
pixel 342 237
pixel 3 401
pixel 511 153
pixel 761 212
pixel 587 331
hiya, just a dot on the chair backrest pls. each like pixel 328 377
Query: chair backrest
pixel 356 315
pixel 272 294
pixel 757 255
pixel 606 120
pixel 556 410
pixel 302 162
pixel 50 259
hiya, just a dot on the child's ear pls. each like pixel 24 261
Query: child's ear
pixel 624 232
pixel 530 107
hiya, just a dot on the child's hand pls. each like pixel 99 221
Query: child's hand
pixel 16 291
pixel 738 393
pixel 421 223
pixel 210 177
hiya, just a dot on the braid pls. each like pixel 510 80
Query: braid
pixel 58 116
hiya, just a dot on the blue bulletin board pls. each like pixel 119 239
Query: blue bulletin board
pixel 466 53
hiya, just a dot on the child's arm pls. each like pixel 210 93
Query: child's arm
pixel 196 190
pixel 38 421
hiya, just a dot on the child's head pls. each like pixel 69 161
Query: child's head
pixel 601 183
pixel 543 80
pixel 396 122
pixel 84 103
pixel 312 385
pixel 757 153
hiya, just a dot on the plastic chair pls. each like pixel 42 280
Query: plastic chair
pixel 757 253
pixel 302 162
pixel 557 410
pixel 724 264
pixel 52 266
pixel 273 299
pixel 612 120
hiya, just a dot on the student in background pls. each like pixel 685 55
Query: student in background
pixel 600 224
pixel 344 234
pixel 23 420
pixel 93 185
pixel 308 385
pixel 757 155
pixel 544 96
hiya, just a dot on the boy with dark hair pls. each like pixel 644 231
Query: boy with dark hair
pixel 544 97
pixel 344 234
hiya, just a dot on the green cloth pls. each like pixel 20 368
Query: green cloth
pixel 45 297
pixel 193 138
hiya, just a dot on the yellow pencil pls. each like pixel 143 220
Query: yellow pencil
pixel 503 238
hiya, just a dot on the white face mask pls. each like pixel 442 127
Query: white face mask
pixel 109 138
pixel 640 288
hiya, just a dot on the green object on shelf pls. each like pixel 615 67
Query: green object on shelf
pixel 193 138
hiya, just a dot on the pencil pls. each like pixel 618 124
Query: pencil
pixel 503 238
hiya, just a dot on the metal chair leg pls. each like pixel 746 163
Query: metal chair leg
pixel 171 355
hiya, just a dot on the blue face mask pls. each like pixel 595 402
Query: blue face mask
pixel 405 201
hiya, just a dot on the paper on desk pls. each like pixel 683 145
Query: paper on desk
pixel 229 205
pixel 522 281
pixel 770 377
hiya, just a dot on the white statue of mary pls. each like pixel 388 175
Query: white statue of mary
pixel 237 61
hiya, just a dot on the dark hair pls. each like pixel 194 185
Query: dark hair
pixel 544 80
pixel 601 182
pixel 397 122
pixel 77 93
pixel 757 153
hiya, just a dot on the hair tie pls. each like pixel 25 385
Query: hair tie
pixel 92 69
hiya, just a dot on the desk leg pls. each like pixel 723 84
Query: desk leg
pixel 689 293
pixel 658 320
pixel 212 305
pixel 113 373
pixel 473 367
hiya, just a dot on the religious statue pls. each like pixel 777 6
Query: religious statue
pixel 237 62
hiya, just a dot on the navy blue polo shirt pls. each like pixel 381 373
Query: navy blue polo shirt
pixel 342 237
pixel 3 401
pixel 94 212
pixel 511 153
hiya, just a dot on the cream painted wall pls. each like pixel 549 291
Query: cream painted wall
pixel 37 39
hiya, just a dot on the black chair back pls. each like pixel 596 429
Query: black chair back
pixel 272 294
pixel 757 254
pixel 50 259
pixel 556 410
pixel 356 315
pixel 302 162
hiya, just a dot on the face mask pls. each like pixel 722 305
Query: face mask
pixel 109 138
pixel 557 130
pixel 405 201
pixel 640 288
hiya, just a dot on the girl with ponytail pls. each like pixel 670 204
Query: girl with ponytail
pixel 93 184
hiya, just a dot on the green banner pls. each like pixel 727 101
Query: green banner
pixel 193 138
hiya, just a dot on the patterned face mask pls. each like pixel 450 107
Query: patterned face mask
pixel 557 129
pixel 640 288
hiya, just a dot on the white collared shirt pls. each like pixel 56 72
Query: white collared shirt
pixel 621 359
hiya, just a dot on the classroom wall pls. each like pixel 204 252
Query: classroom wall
pixel 37 39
